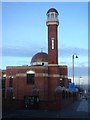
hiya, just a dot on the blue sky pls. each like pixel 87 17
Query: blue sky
pixel 24 33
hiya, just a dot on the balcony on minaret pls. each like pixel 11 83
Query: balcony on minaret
pixel 52 18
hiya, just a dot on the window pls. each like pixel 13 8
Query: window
pixel 30 78
pixel 48 16
pixel 52 15
pixel 52 43
pixel 11 81
pixel 55 15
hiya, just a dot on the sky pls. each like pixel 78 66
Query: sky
pixel 24 33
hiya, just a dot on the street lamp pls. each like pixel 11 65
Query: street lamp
pixel 73 64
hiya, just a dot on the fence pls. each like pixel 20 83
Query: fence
pixel 61 100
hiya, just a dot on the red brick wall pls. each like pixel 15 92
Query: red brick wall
pixel 46 80
pixel 53 80
pixel 64 73
pixel 20 85
pixel 52 53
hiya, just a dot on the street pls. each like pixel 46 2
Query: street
pixel 78 109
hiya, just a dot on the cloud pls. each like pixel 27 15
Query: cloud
pixel 18 51
pixel 78 71
pixel 70 51
pixel 29 51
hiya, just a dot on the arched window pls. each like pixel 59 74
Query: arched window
pixel 52 15
pixel 30 77
pixel 48 16
pixel 11 81
pixel 55 15
pixel 52 43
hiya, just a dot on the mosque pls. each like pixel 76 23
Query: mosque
pixel 40 82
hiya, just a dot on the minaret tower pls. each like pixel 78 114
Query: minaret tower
pixel 52 23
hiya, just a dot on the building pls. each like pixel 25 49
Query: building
pixel 39 82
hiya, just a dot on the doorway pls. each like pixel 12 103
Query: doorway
pixel 31 102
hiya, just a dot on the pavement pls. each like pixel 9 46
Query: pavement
pixel 78 109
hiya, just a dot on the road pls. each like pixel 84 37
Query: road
pixel 79 109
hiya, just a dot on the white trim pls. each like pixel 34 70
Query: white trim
pixel 52 22
pixel 40 63
pixel 61 76
pixel 36 75
pixel 53 65
pixel 30 72
pixel 21 75
pixel 41 75
pixel 53 75
pixel 57 75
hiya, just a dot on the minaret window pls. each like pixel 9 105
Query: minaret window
pixel 52 43
pixel 52 15
pixel 55 15
pixel 48 16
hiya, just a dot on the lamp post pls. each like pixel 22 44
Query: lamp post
pixel 73 64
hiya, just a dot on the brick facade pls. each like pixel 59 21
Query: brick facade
pixel 52 53
pixel 46 80
pixel 46 77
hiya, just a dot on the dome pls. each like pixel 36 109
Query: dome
pixel 40 58
pixel 52 10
